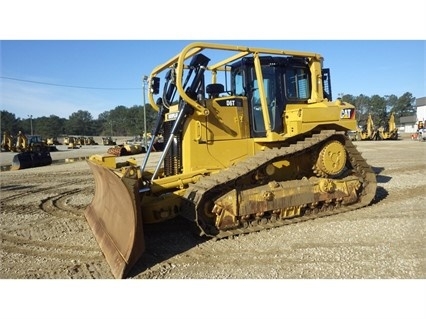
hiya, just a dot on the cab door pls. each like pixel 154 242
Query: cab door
pixel 228 119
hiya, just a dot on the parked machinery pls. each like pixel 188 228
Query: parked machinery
pixel 32 152
pixel 390 131
pixel 420 134
pixel 53 141
pixel 108 141
pixel 368 132
pixel 8 143
pixel 90 141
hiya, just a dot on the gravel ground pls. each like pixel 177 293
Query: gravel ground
pixel 44 233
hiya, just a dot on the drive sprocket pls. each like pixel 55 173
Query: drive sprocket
pixel 331 159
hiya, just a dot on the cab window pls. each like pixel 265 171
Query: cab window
pixel 297 84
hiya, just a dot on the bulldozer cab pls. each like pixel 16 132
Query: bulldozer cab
pixel 260 81
pixel 280 81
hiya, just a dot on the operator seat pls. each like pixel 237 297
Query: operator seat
pixel 214 89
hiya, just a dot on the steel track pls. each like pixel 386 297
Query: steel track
pixel 215 185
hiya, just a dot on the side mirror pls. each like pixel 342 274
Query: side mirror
pixel 155 85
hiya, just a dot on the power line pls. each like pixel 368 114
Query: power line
pixel 69 86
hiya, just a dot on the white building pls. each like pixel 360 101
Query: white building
pixel 421 109
pixel 408 124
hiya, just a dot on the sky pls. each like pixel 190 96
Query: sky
pixel 59 77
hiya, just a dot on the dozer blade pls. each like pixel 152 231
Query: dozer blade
pixel 115 218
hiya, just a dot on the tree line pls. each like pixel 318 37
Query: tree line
pixel 380 107
pixel 129 121
pixel 121 121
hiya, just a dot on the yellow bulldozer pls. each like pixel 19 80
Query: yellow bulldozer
pixel 390 131
pixel 8 143
pixel 370 133
pixel 32 152
pixel 252 141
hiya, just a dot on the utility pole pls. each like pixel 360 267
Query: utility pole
pixel 31 123
pixel 145 82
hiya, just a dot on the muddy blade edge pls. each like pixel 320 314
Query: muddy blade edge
pixel 115 219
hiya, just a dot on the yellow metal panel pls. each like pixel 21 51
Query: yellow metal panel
pixel 303 118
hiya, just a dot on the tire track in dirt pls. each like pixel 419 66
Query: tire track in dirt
pixel 53 231
pixel 20 191
pixel 37 247
pixel 61 205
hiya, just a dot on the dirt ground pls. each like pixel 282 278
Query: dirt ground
pixel 44 233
